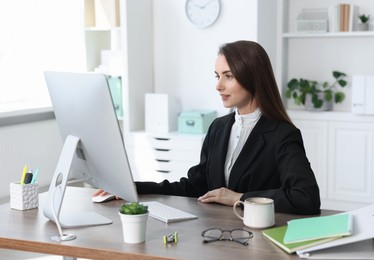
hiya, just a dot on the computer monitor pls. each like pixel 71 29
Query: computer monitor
pixel 93 149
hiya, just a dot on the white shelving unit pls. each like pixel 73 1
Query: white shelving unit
pixel 102 25
pixel 316 55
pixel 339 144
pixel 127 38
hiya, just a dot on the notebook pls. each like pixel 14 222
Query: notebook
pixel 276 235
pixel 305 229
pixel 363 230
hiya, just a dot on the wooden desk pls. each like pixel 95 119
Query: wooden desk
pixel 30 231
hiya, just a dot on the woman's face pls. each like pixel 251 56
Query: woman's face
pixel 231 92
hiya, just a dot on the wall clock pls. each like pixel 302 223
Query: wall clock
pixel 202 13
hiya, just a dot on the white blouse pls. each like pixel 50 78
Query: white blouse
pixel 240 131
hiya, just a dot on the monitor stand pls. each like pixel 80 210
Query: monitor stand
pixel 57 189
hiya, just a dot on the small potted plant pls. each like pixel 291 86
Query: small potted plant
pixel 134 218
pixel 364 22
pixel 314 95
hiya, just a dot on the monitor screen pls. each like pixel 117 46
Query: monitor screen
pixel 94 149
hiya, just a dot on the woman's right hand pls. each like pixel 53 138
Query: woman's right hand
pixel 100 192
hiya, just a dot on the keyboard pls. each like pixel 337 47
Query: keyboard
pixel 166 213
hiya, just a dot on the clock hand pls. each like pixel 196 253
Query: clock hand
pixel 199 6
pixel 207 3
pixel 204 5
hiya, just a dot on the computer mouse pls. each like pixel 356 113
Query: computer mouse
pixel 103 198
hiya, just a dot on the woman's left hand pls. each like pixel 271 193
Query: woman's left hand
pixel 222 195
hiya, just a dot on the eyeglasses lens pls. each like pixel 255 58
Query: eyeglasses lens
pixel 241 236
pixel 212 234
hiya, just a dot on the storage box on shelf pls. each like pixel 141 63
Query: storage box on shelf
pixel 195 121
pixel 159 156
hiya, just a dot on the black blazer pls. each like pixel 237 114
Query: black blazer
pixel 271 164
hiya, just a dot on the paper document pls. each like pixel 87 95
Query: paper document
pixel 363 229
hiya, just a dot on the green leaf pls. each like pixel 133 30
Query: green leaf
pixel 338 74
pixel 298 100
pixel 318 103
pixel 325 84
pixel 293 84
pixel 133 208
pixel 302 98
pixel 339 97
pixel 304 84
pixel 288 93
pixel 342 83
pixel 328 95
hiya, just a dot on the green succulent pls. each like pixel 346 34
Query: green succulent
pixel 364 18
pixel 133 208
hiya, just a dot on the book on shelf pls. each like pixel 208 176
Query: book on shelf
pixel 347 17
pixel 334 18
pixel 353 18
pixel 305 229
pixel 344 17
pixel 276 235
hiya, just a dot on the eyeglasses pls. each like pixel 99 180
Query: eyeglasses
pixel 237 235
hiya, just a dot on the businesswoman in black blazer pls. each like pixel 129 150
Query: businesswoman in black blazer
pixel 253 151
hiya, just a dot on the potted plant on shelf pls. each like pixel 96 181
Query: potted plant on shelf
pixel 364 22
pixel 134 218
pixel 314 95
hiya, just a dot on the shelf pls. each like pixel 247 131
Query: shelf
pixel 329 35
pixel 96 29
pixel 330 116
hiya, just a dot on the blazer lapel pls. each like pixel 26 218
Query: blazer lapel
pixel 251 148
pixel 221 138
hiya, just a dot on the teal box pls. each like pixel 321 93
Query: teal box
pixel 195 121
pixel 115 86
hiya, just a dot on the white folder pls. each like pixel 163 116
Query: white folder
pixel 362 237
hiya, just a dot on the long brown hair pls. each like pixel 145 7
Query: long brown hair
pixel 251 67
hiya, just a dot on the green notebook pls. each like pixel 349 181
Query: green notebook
pixel 276 235
pixel 305 229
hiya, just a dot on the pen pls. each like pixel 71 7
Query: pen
pixel 35 175
pixel 23 175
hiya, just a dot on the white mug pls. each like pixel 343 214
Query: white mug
pixel 258 212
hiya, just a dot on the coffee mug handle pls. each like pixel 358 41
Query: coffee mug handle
pixel 235 207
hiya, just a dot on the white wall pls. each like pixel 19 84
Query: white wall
pixel 37 144
pixel 33 40
pixel 184 58
pixel 184 55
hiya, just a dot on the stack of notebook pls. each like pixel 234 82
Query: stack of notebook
pixel 307 232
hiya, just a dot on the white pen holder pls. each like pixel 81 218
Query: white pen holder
pixel 23 197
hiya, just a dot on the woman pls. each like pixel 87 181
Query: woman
pixel 254 151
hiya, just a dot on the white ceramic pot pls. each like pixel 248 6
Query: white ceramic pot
pixel 363 27
pixel 134 227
